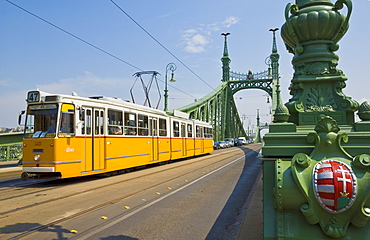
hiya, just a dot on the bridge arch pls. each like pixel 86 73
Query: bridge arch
pixel 219 108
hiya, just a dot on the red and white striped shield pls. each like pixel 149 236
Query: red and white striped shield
pixel 335 185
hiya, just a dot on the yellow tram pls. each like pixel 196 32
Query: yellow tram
pixel 70 136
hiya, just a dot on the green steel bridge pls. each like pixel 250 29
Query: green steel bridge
pixel 218 107
pixel 10 146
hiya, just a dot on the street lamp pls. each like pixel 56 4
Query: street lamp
pixel 172 67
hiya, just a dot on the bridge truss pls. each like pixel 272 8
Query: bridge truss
pixel 219 108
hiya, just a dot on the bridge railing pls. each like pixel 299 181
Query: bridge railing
pixel 10 152
pixel 11 146
pixel 245 76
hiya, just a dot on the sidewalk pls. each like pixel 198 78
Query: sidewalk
pixel 10 168
pixel 251 227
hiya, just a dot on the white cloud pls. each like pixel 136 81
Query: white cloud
pixel 195 43
pixel 190 31
pixel 5 82
pixel 197 39
pixel 229 21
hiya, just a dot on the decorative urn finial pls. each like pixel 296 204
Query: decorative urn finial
pixel 364 111
pixel 311 33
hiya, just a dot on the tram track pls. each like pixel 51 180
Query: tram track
pixel 224 155
pixel 23 186
pixel 94 188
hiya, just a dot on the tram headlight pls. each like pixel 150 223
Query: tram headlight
pixel 36 157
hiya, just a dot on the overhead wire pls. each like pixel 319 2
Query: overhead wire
pixel 88 43
pixel 173 55
pixel 71 34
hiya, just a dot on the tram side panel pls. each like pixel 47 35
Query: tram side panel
pixel 203 140
pixel 68 153
pixel 199 141
pixel 208 139
pixel 164 149
pixel 208 145
pixel 179 140
pixel 190 144
pixel 128 152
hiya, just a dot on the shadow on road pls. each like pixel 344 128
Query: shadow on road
pixel 231 216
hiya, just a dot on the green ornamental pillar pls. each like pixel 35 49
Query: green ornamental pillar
pixel 258 130
pixel 316 158
pixel 312 33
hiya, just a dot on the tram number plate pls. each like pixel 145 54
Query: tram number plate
pixel 33 97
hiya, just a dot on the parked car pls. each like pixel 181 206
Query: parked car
pixel 237 142
pixel 231 140
pixel 216 145
pixel 223 144
pixel 244 141
pixel 228 143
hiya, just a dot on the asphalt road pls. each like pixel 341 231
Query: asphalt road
pixel 202 198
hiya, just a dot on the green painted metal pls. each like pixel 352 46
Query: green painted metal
pixel 316 159
pixel 170 67
pixel 258 138
pixel 218 107
pixel 11 146
pixel 317 83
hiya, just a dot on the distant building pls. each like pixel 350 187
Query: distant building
pixel 10 130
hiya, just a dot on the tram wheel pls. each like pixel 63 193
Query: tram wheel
pixel 24 176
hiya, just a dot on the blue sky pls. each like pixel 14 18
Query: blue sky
pixel 34 54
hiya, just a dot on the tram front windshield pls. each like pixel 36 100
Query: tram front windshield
pixel 41 121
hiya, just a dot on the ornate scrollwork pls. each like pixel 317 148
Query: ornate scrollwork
pixel 320 97
pixel 293 9
pixel 327 125
pixel 329 180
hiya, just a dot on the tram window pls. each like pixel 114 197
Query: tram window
pixel 153 127
pixel 30 124
pixel 183 130
pixel 96 113
pixel 88 122
pixel 101 122
pixel 115 122
pixel 143 125
pixel 162 127
pixel 130 124
pixel 67 120
pixel 176 129
pixel 199 131
pixel 208 132
pixel 190 130
pixel 82 118
pixel 41 121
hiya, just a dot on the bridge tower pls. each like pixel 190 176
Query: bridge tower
pixel 219 108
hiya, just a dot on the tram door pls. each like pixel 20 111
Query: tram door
pixel 202 140
pixel 154 134
pixel 93 131
pixel 183 139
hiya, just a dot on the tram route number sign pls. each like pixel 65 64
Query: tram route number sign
pixel 33 97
